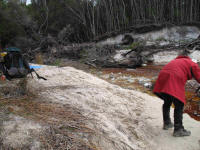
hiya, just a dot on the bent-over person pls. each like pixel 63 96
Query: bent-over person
pixel 170 86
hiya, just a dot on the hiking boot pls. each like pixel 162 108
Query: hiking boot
pixel 181 132
pixel 168 126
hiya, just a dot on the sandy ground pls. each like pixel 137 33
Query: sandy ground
pixel 123 119
pixel 163 138
pixel 114 112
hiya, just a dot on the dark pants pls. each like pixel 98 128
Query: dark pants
pixel 178 111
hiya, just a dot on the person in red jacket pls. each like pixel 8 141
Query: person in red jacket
pixel 170 86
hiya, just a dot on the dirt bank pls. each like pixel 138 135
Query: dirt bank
pixel 76 110
pixel 114 112
pixel 122 118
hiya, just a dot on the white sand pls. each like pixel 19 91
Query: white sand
pixel 123 119
pixel 163 138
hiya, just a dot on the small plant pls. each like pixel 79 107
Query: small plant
pixel 57 62
pixel 160 39
pixel 135 45
pixel 83 54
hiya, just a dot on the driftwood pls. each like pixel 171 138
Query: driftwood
pixel 102 56
pixel 136 29
pixel 194 45
pixel 142 54
pixel 140 28
pixel 95 55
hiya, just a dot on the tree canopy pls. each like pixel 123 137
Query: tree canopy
pixel 84 20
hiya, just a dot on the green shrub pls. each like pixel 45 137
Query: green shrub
pixel 134 45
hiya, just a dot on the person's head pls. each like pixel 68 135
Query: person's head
pixel 184 52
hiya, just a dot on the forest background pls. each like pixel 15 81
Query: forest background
pixel 76 21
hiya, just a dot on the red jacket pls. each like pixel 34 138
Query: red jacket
pixel 173 77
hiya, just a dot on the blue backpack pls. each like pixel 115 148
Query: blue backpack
pixel 15 65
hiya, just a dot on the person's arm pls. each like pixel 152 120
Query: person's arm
pixel 195 70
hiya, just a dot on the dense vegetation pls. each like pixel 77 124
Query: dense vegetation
pixel 67 21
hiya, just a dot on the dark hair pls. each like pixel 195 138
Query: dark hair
pixel 184 52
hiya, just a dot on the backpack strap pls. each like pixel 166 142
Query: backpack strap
pixel 38 76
